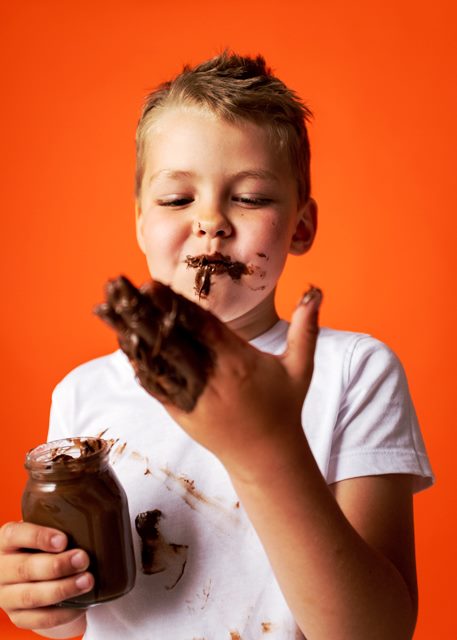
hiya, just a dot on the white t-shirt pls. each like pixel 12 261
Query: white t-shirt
pixel 213 579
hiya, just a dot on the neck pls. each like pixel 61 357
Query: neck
pixel 256 321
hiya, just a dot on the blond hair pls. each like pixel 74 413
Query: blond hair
pixel 235 88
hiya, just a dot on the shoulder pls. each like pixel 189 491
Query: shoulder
pixel 338 353
pixel 111 370
pixel 356 354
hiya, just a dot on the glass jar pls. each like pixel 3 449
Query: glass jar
pixel 73 488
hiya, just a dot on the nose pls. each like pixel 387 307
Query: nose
pixel 212 226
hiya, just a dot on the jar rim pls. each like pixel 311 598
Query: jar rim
pixel 65 451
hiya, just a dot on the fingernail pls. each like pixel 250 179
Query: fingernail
pixel 313 293
pixel 83 582
pixel 58 541
pixel 78 560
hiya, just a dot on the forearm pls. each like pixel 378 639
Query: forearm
pixel 337 586
pixel 71 630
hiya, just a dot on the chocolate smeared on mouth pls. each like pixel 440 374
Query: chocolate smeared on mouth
pixel 164 336
pixel 216 264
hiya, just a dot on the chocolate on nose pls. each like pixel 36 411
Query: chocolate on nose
pixel 213 228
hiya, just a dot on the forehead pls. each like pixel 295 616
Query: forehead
pixel 178 135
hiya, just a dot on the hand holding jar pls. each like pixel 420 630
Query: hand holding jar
pixel 76 519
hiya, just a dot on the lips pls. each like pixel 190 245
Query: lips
pixel 213 264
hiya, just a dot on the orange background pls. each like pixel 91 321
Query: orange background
pixel 380 77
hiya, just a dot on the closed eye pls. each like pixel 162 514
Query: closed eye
pixel 174 202
pixel 252 201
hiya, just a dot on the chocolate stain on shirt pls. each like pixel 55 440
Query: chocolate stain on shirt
pixel 234 635
pixel 118 452
pixel 137 456
pixel 158 555
pixel 214 264
pixel 198 501
pixel 189 493
pixel 206 592
pixel 266 627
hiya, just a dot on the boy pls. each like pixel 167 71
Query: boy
pixel 282 504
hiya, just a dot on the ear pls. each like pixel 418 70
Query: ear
pixel 139 227
pixel 306 228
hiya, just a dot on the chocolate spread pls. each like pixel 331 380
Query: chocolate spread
pixel 73 488
pixel 216 263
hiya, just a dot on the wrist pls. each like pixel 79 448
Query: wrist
pixel 270 460
pixel 67 630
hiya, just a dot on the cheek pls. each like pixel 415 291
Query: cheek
pixel 161 237
pixel 272 248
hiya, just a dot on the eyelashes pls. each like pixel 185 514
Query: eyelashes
pixel 175 202
pixel 250 202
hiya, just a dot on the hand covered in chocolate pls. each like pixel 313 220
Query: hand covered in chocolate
pixel 236 401
pixel 165 337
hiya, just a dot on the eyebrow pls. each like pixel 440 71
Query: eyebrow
pixel 263 174
pixel 171 173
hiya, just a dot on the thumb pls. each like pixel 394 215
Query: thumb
pixel 302 336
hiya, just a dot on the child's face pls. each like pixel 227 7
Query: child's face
pixel 214 187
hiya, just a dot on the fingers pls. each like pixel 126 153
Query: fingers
pixel 47 618
pixel 302 336
pixel 34 595
pixel 31 583
pixel 32 567
pixel 25 535
pixel 164 336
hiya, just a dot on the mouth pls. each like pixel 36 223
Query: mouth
pixel 214 264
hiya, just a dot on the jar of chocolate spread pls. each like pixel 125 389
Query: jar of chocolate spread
pixel 73 488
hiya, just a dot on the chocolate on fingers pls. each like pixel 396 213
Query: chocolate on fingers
pixel 164 335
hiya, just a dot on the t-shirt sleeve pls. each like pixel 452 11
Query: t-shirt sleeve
pixel 377 430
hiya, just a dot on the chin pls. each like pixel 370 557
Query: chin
pixel 226 300
pixel 226 308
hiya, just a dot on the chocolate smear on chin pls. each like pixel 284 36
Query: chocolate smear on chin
pixel 217 264
pixel 164 335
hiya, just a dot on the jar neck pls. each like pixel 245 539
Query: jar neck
pixel 67 458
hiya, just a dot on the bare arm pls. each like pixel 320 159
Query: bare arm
pixel 346 570
pixel 70 630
